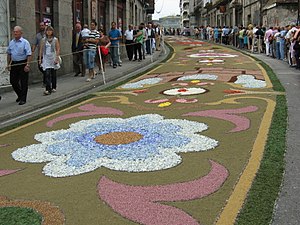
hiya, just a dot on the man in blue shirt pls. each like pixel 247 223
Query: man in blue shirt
pixel 18 59
pixel 114 36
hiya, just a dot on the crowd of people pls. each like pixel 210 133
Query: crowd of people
pixel 281 43
pixel 91 47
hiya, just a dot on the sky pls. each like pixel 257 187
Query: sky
pixel 166 8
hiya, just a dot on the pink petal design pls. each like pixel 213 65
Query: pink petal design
pixel 153 101
pixel 7 172
pixel 91 111
pixel 3 145
pixel 242 123
pixel 141 204
pixel 182 100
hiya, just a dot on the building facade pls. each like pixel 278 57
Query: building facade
pixel 170 22
pixel 63 15
pixel 184 6
pixel 243 12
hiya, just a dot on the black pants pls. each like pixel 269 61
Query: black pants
pixel 77 62
pixel 19 79
pixel 129 48
pixel 50 75
pixel 138 49
pixel 149 46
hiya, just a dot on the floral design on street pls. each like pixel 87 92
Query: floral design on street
pixel 91 110
pixel 144 201
pixel 249 81
pixel 142 83
pixel 211 54
pixel 141 143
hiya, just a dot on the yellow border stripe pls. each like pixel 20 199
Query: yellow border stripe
pixel 236 200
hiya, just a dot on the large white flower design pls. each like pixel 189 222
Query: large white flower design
pixel 249 81
pixel 184 91
pixel 142 83
pixel 141 143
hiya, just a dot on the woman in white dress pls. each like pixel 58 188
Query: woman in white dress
pixel 49 59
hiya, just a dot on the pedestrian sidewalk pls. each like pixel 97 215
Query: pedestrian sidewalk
pixel 287 207
pixel 69 89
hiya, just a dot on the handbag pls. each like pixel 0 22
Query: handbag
pixel 104 51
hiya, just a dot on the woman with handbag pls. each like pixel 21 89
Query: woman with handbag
pixel 104 44
pixel 49 59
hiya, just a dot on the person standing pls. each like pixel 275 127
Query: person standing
pixel 144 40
pixel 89 53
pixel 36 45
pixel 150 38
pixel 114 36
pixel 268 41
pixel 129 42
pixel 18 59
pixel 49 59
pixel 139 40
pixel 77 47
pixel 104 44
pixel 157 32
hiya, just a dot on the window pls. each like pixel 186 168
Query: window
pixel 77 12
pixel 43 12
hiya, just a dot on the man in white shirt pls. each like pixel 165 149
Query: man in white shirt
pixel 129 42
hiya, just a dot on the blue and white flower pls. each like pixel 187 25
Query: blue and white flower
pixel 76 150
pixel 199 77
pixel 249 81
pixel 142 83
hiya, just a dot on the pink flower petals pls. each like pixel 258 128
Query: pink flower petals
pixel 153 101
pixel 242 123
pixel 91 109
pixel 141 204
pixel 7 172
pixel 182 100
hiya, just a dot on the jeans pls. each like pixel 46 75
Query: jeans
pixel 278 53
pixel 89 58
pixel 282 49
pixel 114 52
pixel 50 75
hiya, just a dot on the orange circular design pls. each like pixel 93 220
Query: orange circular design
pixel 118 138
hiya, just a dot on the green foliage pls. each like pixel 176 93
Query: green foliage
pixel 258 208
pixel 19 216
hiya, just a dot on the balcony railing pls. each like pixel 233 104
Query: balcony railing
pixel 185 2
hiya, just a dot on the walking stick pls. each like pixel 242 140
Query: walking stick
pixel 101 64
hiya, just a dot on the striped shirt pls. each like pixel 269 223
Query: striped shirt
pixel 93 35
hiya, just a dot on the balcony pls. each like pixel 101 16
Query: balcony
pixel 186 10
pixel 185 19
pixel 184 2
pixel 199 4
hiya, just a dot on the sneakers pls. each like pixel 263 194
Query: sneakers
pixel 88 80
pixel 47 93
pixel 114 66
pixel 53 90
pixel 120 64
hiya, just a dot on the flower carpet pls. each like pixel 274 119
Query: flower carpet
pixel 178 145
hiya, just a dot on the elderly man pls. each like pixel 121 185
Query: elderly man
pixel 18 59
pixel 77 47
